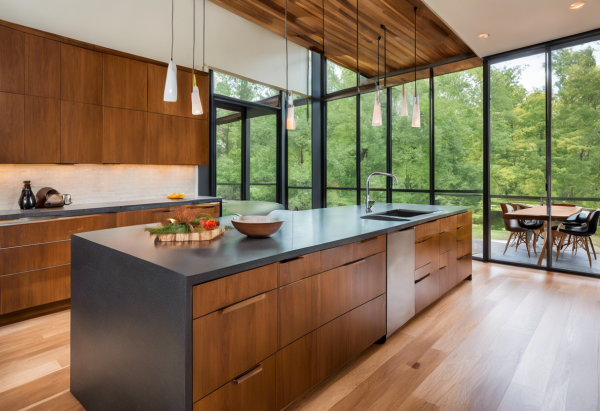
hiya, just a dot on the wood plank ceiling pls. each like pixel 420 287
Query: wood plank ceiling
pixel 435 41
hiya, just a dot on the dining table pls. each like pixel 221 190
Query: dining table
pixel 558 213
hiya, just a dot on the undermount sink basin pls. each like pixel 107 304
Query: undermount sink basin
pixel 397 215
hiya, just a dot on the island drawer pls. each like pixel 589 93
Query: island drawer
pixel 464 237
pixel 232 340
pixel 447 240
pixel 447 224
pixel 295 269
pixel 335 257
pixel 314 301
pixel 32 288
pixel 38 232
pixel 464 219
pixel 423 271
pixel 136 217
pixel 34 257
pixel 427 290
pixel 214 295
pixel 464 267
pixel 427 251
pixel 447 270
pixel 255 389
pixel 426 230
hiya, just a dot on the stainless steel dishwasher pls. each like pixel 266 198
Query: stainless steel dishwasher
pixel 400 278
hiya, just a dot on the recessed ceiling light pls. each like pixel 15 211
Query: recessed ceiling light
pixel 577 5
pixel 483 36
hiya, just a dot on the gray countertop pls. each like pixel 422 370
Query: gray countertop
pixel 302 232
pixel 74 210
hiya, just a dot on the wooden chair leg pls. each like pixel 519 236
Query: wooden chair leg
pixel 507 243
pixel 592 244
pixel 535 237
pixel 588 251
pixel 560 244
pixel 527 244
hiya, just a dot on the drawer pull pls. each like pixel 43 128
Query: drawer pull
pixel 422 278
pixel 447 231
pixel 425 239
pixel 461 257
pixel 243 303
pixel 355 263
pixel 248 375
pixel 368 239
pixel 444 266
pixel 289 260
pixel 460 226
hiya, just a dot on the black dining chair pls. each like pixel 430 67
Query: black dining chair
pixel 582 234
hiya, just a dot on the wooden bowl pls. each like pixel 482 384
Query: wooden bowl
pixel 257 226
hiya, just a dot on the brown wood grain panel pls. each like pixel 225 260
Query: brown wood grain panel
pixel 464 240
pixel 34 257
pixel 464 267
pixel 447 240
pixel 298 309
pixel 37 232
pixel 345 337
pixel 217 294
pixel 423 271
pixel 427 230
pixel 464 219
pixel 12 128
pixel 427 251
pixel 335 257
pixel 345 288
pixel 298 268
pixel 125 83
pixel 80 133
pixel 12 60
pixel 256 393
pixel 427 290
pixel 80 75
pixel 124 136
pixel 43 67
pixel 447 269
pixel 447 224
pixel 33 288
pixel 156 87
pixel 296 369
pixel 247 334
pixel 176 140
pixel 42 130
pixel 137 217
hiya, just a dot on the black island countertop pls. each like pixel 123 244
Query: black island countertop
pixel 75 210
pixel 302 232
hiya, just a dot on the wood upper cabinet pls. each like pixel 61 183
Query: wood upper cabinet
pixel 12 60
pixel 81 133
pixel 80 75
pixel 124 136
pixel 43 67
pixel 176 140
pixel 42 130
pixel 12 119
pixel 125 83
pixel 157 76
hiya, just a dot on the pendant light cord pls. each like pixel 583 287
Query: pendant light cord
pixel 194 43
pixel 415 51
pixel 172 26
pixel 384 56
pixel 357 71
pixel 378 40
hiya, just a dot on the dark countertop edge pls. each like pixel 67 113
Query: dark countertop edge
pixel 102 208
pixel 197 279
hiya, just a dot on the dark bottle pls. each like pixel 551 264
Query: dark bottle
pixel 27 199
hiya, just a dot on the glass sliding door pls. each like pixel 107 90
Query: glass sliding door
pixel 229 154
pixel 518 154
pixel 263 155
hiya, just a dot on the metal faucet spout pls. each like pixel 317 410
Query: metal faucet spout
pixel 368 203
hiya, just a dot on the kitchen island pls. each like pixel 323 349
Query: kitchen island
pixel 238 321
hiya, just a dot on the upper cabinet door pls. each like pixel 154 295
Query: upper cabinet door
pixel 176 140
pixel 81 133
pixel 12 145
pixel 125 83
pixel 125 134
pixel 157 76
pixel 12 60
pixel 43 67
pixel 81 75
pixel 42 130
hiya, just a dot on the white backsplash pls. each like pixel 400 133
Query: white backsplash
pixel 97 183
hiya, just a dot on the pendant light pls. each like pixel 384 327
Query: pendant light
pixel 377 109
pixel 171 83
pixel 290 122
pixel 416 119
pixel 196 103
pixel 404 108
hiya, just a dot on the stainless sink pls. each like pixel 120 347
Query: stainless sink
pixel 398 214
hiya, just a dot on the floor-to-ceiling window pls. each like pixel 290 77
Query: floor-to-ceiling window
pixel 372 151
pixel 229 154
pixel 263 157
pixel 300 158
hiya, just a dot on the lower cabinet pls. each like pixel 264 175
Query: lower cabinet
pixel 448 275
pixel 427 290
pixel 464 267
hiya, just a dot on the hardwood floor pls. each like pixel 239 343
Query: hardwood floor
pixel 512 339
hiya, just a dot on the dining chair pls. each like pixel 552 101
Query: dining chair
pixel 582 234
pixel 518 229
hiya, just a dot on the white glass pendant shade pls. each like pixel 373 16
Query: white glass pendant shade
pixel 377 110
pixel 290 122
pixel 416 119
pixel 196 103
pixel 404 109
pixel 171 83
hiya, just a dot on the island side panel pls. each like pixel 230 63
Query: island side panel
pixel 131 333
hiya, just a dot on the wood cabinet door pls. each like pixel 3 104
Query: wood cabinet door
pixel 12 123
pixel 125 83
pixel 176 140
pixel 338 256
pixel 230 341
pixel 156 87
pixel 124 136
pixel 12 60
pixel 464 240
pixel 298 309
pixel 298 268
pixel 447 240
pixel 296 369
pixel 464 219
pixel 427 230
pixel 252 391
pixel 342 339
pixel 427 251
pixel 427 290
pixel 42 130
pixel 43 67
pixel 448 278
pixel 464 267
pixel 80 133
pixel 80 75
pixel 137 217
pixel 33 288
pixel 34 257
